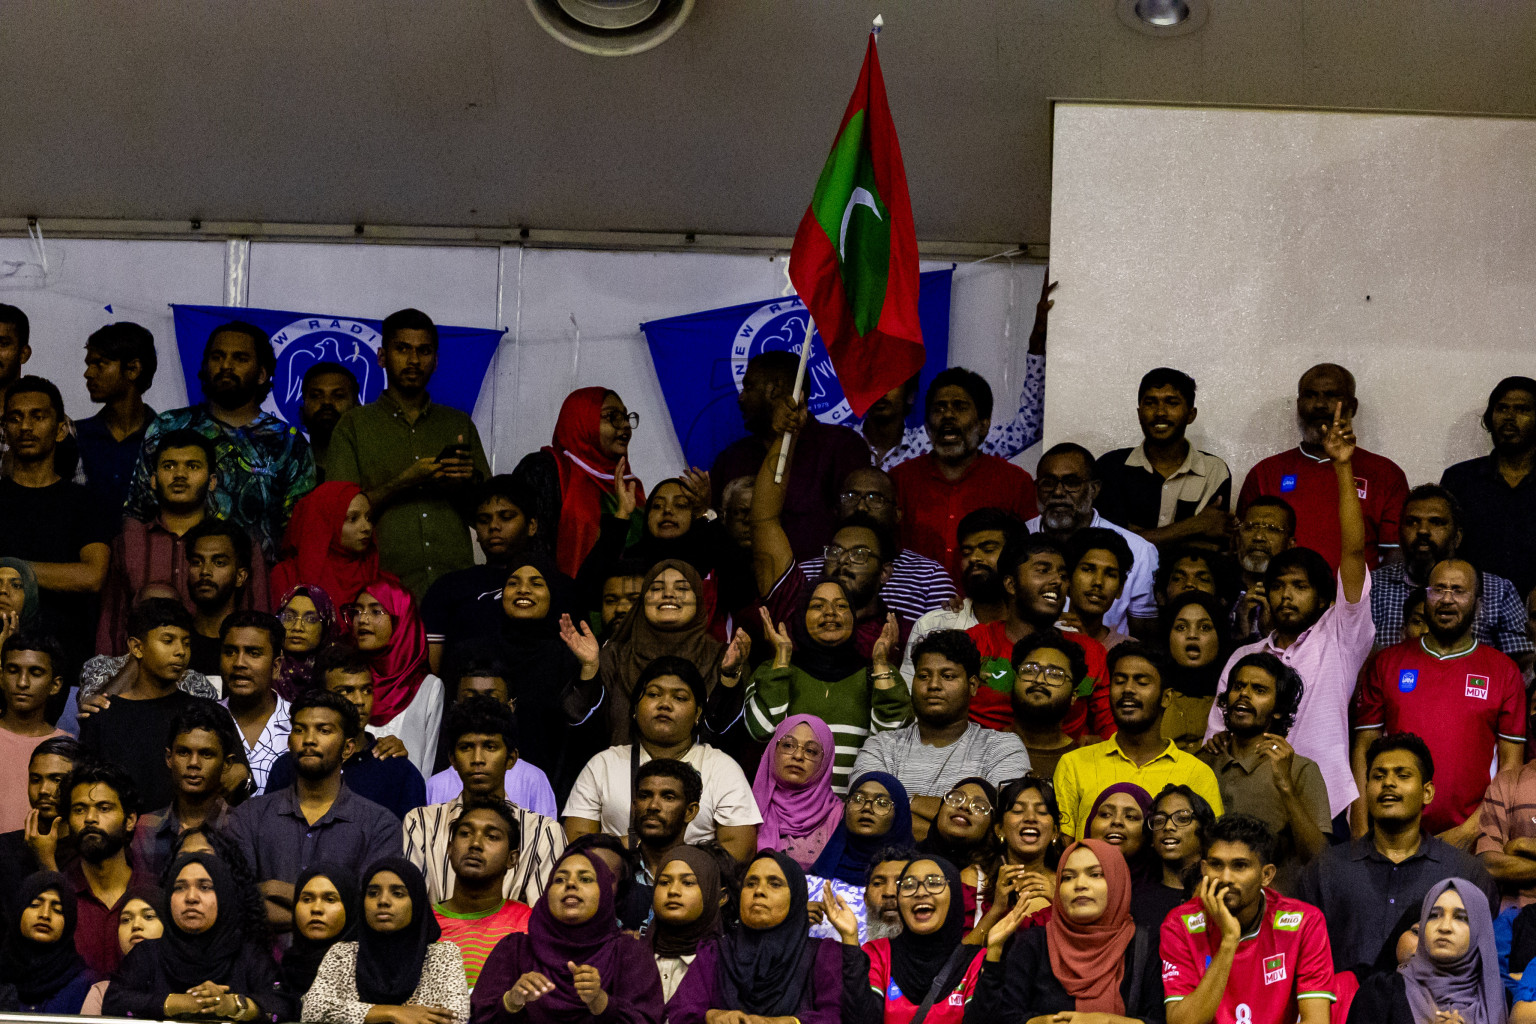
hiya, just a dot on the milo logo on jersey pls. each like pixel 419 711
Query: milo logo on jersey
pixel 1287 920
pixel 1194 923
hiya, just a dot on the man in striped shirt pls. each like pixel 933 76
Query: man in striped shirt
pixel 917 584
pixel 482 742
pixel 482 849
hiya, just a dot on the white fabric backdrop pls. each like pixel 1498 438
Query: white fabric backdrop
pixel 572 315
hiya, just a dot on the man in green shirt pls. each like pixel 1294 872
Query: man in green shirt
pixel 412 458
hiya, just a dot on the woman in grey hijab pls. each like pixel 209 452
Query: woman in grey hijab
pixel 1454 974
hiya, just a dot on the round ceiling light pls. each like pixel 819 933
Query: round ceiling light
pixel 1163 17
pixel 611 28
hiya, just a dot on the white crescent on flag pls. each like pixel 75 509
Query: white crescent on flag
pixel 861 197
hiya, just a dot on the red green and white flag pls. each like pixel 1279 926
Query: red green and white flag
pixel 854 261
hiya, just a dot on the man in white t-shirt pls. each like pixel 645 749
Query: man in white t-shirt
pixel 668 703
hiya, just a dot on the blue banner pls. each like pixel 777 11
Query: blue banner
pixel 700 359
pixel 301 340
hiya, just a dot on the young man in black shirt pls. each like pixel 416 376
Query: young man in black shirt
pixel 35 846
pixel 218 570
pixel 51 522
pixel 129 728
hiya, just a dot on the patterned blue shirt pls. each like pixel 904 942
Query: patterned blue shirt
pixel 264 468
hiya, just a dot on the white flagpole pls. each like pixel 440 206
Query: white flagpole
pixel 805 346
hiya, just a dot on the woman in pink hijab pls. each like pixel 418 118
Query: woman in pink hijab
pixel 793 789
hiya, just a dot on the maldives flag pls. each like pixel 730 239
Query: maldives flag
pixel 854 261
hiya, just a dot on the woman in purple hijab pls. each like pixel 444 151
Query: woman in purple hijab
pixel 573 964
pixel 793 789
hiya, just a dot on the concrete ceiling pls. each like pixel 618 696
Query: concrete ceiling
pixel 464 113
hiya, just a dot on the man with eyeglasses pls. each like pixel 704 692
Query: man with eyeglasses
pixel 944 745
pixel 413 459
pixel 861 555
pixel 1047 670
pixel 1066 489
pixel 1430 532
pixel 917 584
pixel 1466 699
pixel 823 460
pixel 937 490
pixel 1266 528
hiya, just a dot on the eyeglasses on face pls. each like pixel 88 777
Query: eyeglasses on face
pixel 789 747
pixel 1035 670
pixel 856 555
pixel 1180 819
pixel 879 801
pixel 288 618
pixel 874 499
pixel 359 611
pixel 1436 592
pixel 959 801
pixel 934 884
pixel 618 420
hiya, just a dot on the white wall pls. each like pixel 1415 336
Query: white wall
pixel 1243 246
pixel 535 293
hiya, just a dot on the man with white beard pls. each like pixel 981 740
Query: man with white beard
pixel 1267 527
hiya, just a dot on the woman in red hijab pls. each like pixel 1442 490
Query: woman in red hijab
pixel 407 698
pixel 329 544
pixel 1090 958
pixel 590 448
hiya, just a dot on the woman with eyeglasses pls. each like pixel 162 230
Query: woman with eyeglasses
pixel 328 544
pixel 767 966
pixel 927 963
pixel 573 476
pixel 1091 960
pixel 1029 832
pixel 817 670
pixel 309 623
pixel 963 835
pixel 407 697
pixel 1176 825
pixel 1119 818
pixel 213 958
pixel 1192 624
pixel 793 789
pixel 878 815
pixel 672 621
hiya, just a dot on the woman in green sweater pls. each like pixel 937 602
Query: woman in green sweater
pixel 817 670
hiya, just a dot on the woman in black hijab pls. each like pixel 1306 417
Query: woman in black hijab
pixel 397 959
pixel 768 965
pixel 325 911
pixel 205 963
pixel 894 977
pixel 686 903
pixel 38 955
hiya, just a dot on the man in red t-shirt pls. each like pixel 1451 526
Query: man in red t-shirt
pixel 937 490
pixel 1034 573
pixel 1465 698
pixel 1304 477
pixel 1239 952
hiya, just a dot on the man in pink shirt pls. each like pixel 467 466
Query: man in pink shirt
pixel 1304 475
pixel 1322 629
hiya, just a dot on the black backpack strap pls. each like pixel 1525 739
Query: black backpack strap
pixel 945 979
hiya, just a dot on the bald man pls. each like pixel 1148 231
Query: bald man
pixel 1303 476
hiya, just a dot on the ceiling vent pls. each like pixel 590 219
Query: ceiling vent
pixel 611 28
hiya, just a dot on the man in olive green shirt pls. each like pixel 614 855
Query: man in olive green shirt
pixel 414 459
